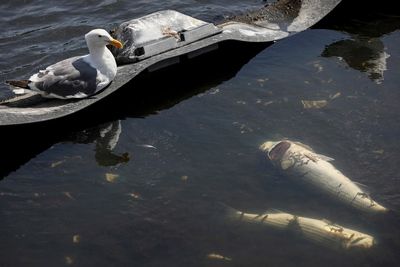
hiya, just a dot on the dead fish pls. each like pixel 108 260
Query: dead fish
pixel 301 161
pixel 55 164
pixel 318 231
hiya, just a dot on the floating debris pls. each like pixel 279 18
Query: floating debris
pixel 242 127
pixel 215 256
pixel 57 163
pixel 318 66
pixel 301 161
pixel 148 146
pixel 379 151
pixel 268 103
pixel 338 94
pixel 314 104
pixel 184 178
pixel 215 91
pixel 76 239
pixel 134 195
pixel 318 231
pixel 317 104
pixel 111 177
pixel 69 260
pixel 68 195
pixel 261 82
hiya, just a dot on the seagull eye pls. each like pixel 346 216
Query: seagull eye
pixel 100 36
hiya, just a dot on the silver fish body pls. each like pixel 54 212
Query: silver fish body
pixel 300 161
pixel 318 231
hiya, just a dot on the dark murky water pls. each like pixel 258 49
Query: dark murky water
pixel 142 185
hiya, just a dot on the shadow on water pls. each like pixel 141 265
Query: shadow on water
pixel 147 94
pixel 151 92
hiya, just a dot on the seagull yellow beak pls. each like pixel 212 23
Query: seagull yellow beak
pixel 116 43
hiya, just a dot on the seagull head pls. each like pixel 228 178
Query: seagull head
pixel 101 38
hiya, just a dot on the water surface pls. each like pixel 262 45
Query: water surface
pixel 142 183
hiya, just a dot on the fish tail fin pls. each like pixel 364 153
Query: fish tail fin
pixel 19 83
pixel 230 213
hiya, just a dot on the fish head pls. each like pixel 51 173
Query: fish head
pixel 361 241
pixel 276 151
pixel 378 208
pixel 367 203
pixel 268 146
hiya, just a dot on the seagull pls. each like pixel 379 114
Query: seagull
pixel 76 77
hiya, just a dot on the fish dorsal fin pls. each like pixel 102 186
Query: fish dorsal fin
pixel 332 224
pixel 363 187
pixel 328 222
pixel 323 157
pixel 320 156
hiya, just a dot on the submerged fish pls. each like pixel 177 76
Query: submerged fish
pixel 301 161
pixel 318 231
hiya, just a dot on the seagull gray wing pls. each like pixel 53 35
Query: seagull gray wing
pixel 69 78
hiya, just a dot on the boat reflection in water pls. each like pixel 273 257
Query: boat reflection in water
pixel 363 54
pixel 364 50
